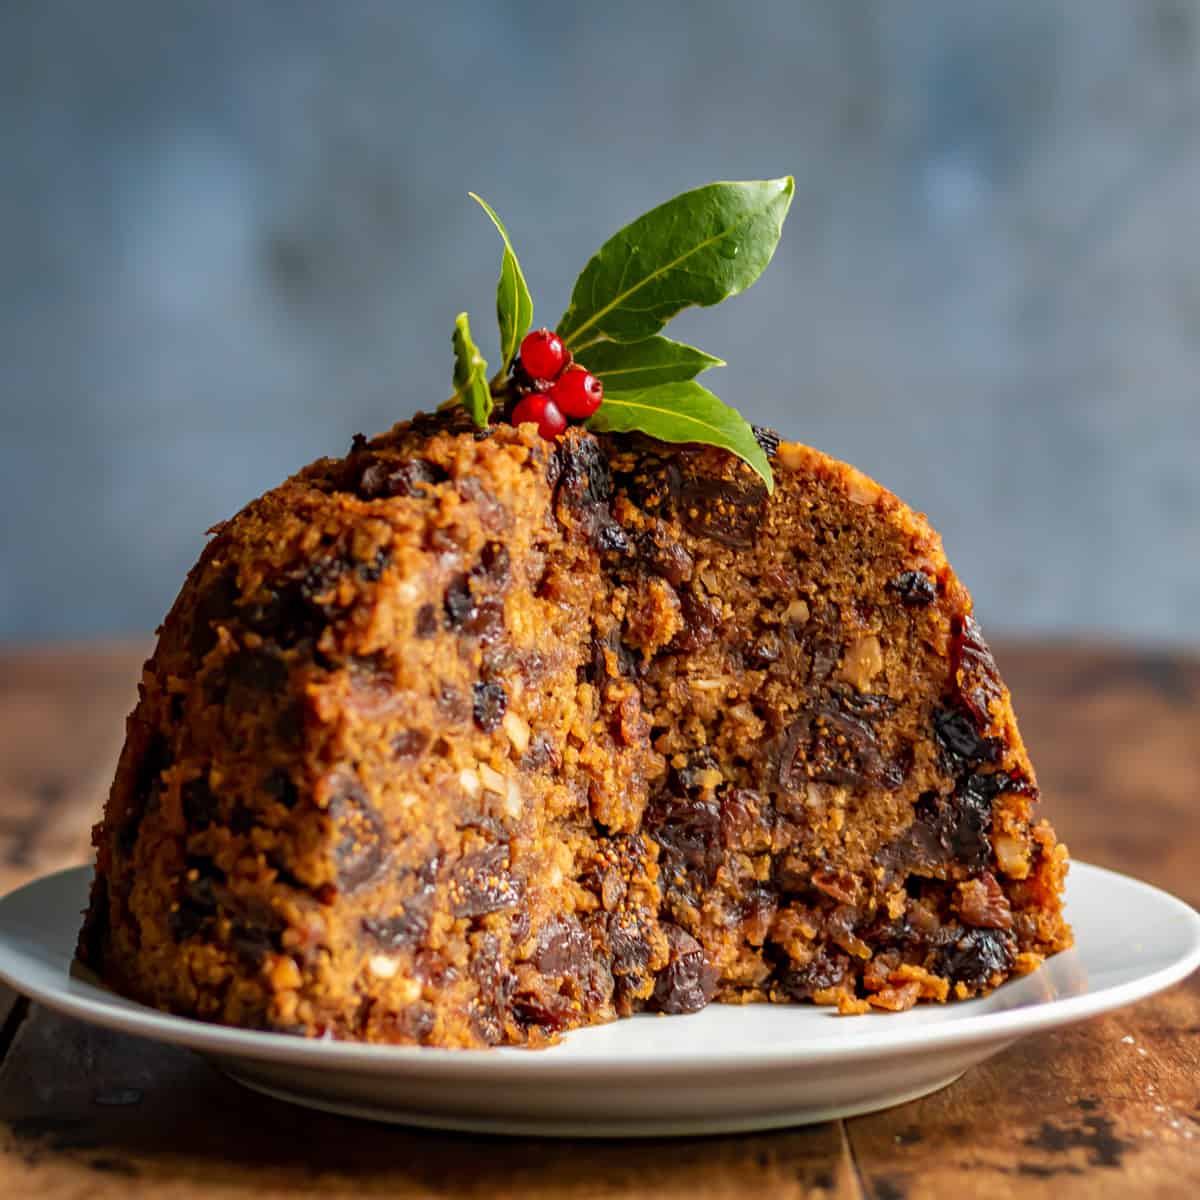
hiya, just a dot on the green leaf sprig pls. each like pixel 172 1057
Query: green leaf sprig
pixel 471 388
pixel 514 304
pixel 693 251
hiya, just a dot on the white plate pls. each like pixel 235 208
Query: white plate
pixel 724 1069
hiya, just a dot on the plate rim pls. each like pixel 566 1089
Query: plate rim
pixel 131 1017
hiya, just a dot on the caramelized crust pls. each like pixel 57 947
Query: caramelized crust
pixel 468 739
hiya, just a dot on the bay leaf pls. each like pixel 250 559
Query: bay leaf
pixel 684 411
pixel 514 304
pixel 697 249
pixel 629 366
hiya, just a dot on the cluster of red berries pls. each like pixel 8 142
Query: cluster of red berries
pixel 558 389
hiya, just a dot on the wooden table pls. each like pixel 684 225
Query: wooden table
pixel 1108 1108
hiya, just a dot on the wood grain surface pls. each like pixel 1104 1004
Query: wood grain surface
pixel 1110 1107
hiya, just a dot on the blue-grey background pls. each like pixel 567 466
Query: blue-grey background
pixel 232 234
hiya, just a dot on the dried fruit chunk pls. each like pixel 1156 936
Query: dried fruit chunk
pixel 978 957
pixel 360 852
pixel 388 478
pixel 563 948
pixel 490 703
pixel 583 492
pixel 458 601
pixel 959 735
pixel 983 904
pixel 728 511
pixel 746 820
pixel 952 829
pixel 410 744
pixel 686 984
pixel 975 671
pixel 688 831
pixel 665 556
pixel 914 588
pixel 836 742
pixel 407 928
pixel 821 972
pixel 483 883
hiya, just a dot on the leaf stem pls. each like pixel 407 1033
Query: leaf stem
pixel 498 386
pixel 594 342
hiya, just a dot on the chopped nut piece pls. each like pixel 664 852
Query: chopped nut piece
pixel 384 966
pixel 517 729
pixel 493 781
pixel 797 613
pixel 512 800
pixel 864 660
pixel 1012 856
pixel 861 488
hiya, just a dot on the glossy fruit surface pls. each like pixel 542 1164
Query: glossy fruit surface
pixel 543 412
pixel 543 354
pixel 577 393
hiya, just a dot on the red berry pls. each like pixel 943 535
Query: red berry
pixel 541 410
pixel 578 393
pixel 542 354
